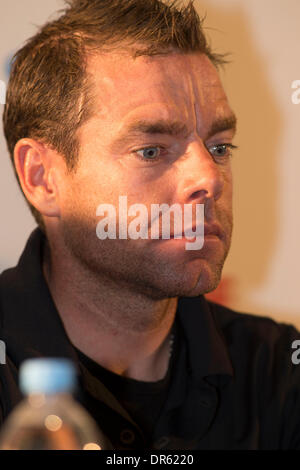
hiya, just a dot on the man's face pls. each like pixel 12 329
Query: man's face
pixel 119 157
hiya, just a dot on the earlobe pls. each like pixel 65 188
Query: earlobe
pixel 33 167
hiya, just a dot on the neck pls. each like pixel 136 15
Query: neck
pixel 124 331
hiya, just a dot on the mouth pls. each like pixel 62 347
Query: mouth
pixel 211 231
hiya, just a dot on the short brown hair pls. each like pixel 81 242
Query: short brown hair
pixel 49 95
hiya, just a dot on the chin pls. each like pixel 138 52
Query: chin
pixel 204 286
pixel 206 282
pixel 190 283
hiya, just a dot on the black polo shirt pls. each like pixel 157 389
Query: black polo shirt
pixel 232 383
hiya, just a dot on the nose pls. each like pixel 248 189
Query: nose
pixel 200 176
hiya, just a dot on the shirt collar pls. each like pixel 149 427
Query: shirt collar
pixel 31 324
pixel 207 352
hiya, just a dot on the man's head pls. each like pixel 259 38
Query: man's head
pixel 88 79
pixel 49 96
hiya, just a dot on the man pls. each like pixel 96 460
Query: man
pixel 122 98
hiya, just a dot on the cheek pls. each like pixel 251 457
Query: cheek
pixel 225 202
pixel 78 195
pixel 228 182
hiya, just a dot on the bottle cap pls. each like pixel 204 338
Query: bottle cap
pixel 47 375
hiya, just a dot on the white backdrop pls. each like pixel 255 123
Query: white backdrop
pixel 262 272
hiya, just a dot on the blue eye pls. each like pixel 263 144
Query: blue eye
pixel 149 153
pixel 222 150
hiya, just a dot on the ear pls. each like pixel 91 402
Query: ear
pixel 33 162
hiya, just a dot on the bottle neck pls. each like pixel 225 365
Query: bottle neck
pixel 38 399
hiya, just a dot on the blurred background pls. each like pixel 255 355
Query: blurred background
pixel 262 272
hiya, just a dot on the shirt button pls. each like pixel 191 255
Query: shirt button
pixel 127 436
pixel 162 442
pixel 205 403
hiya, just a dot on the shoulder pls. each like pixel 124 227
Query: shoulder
pixel 19 283
pixel 268 348
pixel 265 355
pixel 9 288
pixel 263 350
pixel 11 294
pixel 246 327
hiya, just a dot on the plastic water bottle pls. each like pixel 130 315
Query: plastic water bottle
pixel 49 418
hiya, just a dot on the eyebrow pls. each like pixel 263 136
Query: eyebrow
pixel 222 124
pixel 173 128
pixel 160 126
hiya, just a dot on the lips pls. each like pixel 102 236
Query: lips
pixel 209 229
pixel 214 229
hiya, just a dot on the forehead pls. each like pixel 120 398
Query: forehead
pixel 183 86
